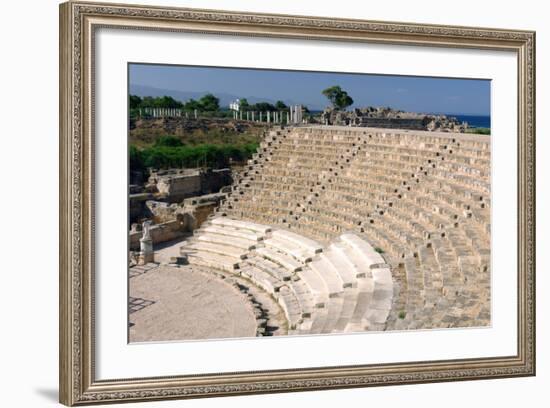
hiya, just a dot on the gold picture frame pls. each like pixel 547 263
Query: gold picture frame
pixel 78 22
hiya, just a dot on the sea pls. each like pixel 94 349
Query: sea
pixel 473 120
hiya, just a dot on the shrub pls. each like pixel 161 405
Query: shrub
pixel 480 131
pixel 168 141
pixel 169 154
pixel 136 159
pixel 379 250
pixel 402 314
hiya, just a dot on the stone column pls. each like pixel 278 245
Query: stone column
pixel 146 253
pixel 252 116
pixel 241 115
pixel 195 114
pixel 268 117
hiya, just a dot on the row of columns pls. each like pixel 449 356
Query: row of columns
pixel 166 112
pixel 294 115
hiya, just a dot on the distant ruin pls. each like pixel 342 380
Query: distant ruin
pixel 380 117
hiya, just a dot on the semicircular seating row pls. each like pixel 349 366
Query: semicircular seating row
pixel 343 287
pixel 420 197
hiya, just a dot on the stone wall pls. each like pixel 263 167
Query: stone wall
pixel 393 123
pixel 173 186
pixel 387 118
pixel 200 207
pixel 179 186
pixel 173 221
pixel 166 231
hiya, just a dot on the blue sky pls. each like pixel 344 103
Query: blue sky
pixel 418 94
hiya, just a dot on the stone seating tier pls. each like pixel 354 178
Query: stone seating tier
pixel 421 198
pixel 344 286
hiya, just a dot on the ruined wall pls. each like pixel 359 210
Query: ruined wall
pixel 177 187
pixel 173 186
pixel 393 123
pixel 166 231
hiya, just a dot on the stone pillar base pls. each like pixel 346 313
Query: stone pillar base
pixel 145 258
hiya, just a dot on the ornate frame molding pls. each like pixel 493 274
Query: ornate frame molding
pixel 77 24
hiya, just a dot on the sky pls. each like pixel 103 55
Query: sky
pixel 415 94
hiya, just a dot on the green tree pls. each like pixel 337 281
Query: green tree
pixel 280 105
pixel 157 102
pixel 244 104
pixel 166 102
pixel 209 103
pixel 263 107
pixel 191 105
pixel 338 97
pixel 148 102
pixel 135 102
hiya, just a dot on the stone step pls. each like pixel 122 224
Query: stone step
pixel 270 267
pixel 241 225
pixel 335 307
pixel 290 305
pixel 344 267
pixel 236 242
pixel 281 259
pixel 289 248
pixel 360 263
pixel 215 261
pixel 363 247
pixel 304 296
pixel 363 301
pixel 326 271
pixel 309 245
pixel 351 296
pixel 231 232
pixel 261 279
pixel 318 320
pixel 222 249
pixel 316 285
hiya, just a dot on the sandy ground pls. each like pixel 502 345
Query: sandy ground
pixel 167 250
pixel 182 303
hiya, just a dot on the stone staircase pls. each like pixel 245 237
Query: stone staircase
pixel 343 287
